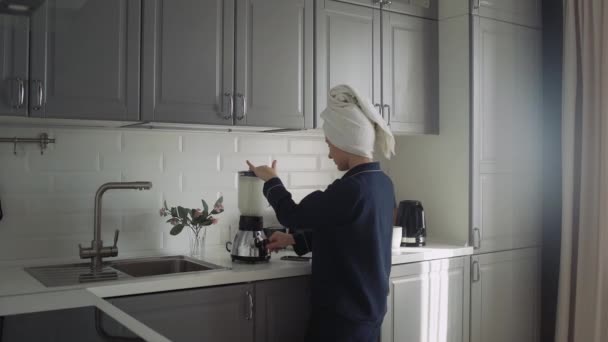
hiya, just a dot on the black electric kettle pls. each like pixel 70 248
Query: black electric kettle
pixel 410 216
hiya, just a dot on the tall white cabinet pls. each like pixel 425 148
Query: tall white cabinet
pixel 505 296
pixel 506 170
pixel 507 136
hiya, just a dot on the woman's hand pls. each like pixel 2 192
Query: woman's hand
pixel 279 240
pixel 264 172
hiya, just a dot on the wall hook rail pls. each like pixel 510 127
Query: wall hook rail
pixel 43 141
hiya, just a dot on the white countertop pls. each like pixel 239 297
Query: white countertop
pixel 21 293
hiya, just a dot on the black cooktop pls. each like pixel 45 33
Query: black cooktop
pixel 78 324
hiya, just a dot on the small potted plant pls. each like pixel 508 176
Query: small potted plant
pixel 195 219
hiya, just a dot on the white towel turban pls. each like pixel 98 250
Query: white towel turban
pixel 353 125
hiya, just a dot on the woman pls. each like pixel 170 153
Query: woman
pixel 348 226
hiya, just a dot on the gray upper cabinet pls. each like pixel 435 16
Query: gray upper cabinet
pixel 348 50
pixel 188 61
pixel 522 12
pixel 419 8
pixel 282 309
pixel 274 63
pixel 223 313
pixel 14 34
pixel 390 58
pixel 411 74
pixel 85 59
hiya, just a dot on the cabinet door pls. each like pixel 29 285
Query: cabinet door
pixel 411 73
pixel 14 34
pixel 209 314
pixel 427 302
pixel 85 59
pixel 282 309
pixel 419 8
pixel 274 66
pixel 505 296
pixel 523 12
pixel 188 61
pixel 507 133
pixel 348 50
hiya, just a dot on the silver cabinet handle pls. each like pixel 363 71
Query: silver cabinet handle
pixel 476 238
pixel 386 2
pixel 249 315
pixel 475 4
pixel 243 113
pixel 20 93
pixel 475 276
pixel 228 106
pixel 388 113
pixel 40 97
pixel 379 106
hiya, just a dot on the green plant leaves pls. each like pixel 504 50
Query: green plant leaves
pixel 205 208
pixel 182 212
pixel 174 212
pixel 165 205
pixel 176 229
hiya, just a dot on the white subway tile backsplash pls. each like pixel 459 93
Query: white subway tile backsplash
pixel 197 162
pixel 87 140
pixel 236 162
pixel 308 146
pixel 310 179
pixel 68 160
pixel 24 182
pixel 135 143
pixel 208 143
pixel 48 200
pixel 83 182
pixel 14 163
pixel 131 162
pixel 295 163
pixel 257 144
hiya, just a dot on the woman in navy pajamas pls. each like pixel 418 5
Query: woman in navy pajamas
pixel 348 226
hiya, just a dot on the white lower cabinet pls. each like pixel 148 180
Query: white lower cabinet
pixel 505 296
pixel 428 302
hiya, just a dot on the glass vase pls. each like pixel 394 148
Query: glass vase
pixel 197 241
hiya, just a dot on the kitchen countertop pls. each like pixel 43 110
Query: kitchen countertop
pixel 21 293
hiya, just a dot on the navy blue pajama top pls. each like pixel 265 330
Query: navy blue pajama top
pixel 348 227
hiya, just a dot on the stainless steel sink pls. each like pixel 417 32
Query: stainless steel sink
pixel 73 274
pixel 163 265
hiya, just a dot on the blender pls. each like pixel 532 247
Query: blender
pixel 250 241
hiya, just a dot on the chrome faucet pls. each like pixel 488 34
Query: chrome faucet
pixel 97 251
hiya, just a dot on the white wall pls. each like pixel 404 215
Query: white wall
pixel 434 169
pixel 48 199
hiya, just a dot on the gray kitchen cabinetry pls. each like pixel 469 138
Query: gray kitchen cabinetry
pixel 348 50
pixel 391 58
pixel 188 61
pixel 202 66
pixel 85 60
pixel 419 8
pixel 224 313
pixel 274 63
pixel 14 37
pixel 265 311
pixel 522 12
pixel 282 309
pixel 428 301
pixel 410 73
pixel 505 296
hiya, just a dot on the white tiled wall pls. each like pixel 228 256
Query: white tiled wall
pixel 48 199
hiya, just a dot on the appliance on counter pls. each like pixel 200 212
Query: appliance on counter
pixel 250 241
pixel 410 216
